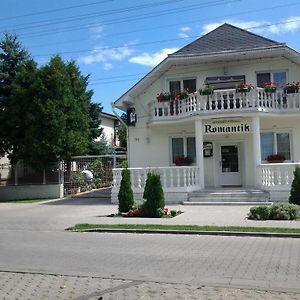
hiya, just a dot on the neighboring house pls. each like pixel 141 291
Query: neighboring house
pixel 229 133
pixel 110 124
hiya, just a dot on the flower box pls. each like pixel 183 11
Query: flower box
pixel 276 158
pixel 291 90
pixel 206 90
pixel 183 161
pixel 242 90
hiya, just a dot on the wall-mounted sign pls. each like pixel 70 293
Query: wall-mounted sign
pixel 207 149
pixel 131 116
pixel 227 126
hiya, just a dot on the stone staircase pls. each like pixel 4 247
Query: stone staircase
pixel 228 196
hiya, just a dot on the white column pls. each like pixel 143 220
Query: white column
pixel 256 149
pixel 199 151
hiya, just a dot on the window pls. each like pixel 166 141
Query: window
pixel 176 85
pixel 275 142
pixel 280 77
pixel 183 147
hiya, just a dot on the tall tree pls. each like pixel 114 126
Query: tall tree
pixel 12 58
pixel 55 104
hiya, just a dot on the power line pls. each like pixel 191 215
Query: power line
pixel 175 24
pixel 55 10
pixel 161 41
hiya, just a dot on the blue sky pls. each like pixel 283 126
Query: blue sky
pixel 118 41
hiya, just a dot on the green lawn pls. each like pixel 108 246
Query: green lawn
pixel 82 227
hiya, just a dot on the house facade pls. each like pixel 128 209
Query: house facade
pixel 229 129
pixel 109 124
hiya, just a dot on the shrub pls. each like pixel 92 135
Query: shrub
pixel 153 195
pixel 261 212
pixel 295 188
pixel 173 213
pixel 97 169
pixel 284 211
pixel 125 195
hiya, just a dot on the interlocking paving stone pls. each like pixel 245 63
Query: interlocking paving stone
pixel 29 286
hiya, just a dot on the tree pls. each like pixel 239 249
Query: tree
pixel 55 104
pixel 95 131
pixel 154 195
pixel 295 189
pixel 125 195
pixel 12 58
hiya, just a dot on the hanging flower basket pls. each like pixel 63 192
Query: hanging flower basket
pixel 291 88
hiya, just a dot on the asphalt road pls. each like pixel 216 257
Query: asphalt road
pixel 32 239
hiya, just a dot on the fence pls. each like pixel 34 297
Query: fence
pixel 101 167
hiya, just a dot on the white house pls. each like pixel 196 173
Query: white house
pixel 109 124
pixel 229 133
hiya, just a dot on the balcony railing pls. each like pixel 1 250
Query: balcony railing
pixel 276 176
pixel 173 179
pixel 226 101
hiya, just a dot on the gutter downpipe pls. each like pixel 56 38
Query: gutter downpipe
pixel 127 129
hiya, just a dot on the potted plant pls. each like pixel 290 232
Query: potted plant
pixel 181 94
pixel 163 96
pixel 291 88
pixel 183 160
pixel 276 158
pixel 244 87
pixel 270 87
pixel 206 90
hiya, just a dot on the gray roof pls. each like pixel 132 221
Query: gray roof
pixel 226 38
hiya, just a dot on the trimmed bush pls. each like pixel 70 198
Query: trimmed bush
pixel 154 196
pixel 261 212
pixel 278 211
pixel 295 189
pixel 284 211
pixel 125 195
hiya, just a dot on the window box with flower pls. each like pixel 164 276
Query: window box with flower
pixel 163 97
pixel 276 158
pixel 244 88
pixel 183 161
pixel 270 87
pixel 291 88
pixel 206 90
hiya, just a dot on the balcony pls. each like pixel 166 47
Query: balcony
pixel 226 102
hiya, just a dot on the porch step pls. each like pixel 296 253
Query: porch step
pixel 249 196
pixel 252 203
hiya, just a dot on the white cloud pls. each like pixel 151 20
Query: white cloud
pixel 290 24
pixel 183 32
pixel 151 60
pixel 106 56
pixel 97 31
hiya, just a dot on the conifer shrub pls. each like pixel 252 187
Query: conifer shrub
pixel 154 196
pixel 125 195
pixel 295 188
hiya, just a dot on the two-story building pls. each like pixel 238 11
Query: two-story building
pixel 228 133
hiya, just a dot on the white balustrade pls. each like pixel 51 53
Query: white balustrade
pixel 224 100
pixel 172 178
pixel 276 175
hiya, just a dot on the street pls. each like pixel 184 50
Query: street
pixel 32 240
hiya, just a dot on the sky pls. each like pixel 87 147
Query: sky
pixel 117 42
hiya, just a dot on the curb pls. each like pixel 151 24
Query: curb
pixel 192 232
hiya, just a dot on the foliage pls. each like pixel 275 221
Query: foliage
pixel 125 195
pixel 95 131
pixel 124 163
pixel 163 96
pixel 153 195
pixel 295 188
pixel 278 211
pixel 12 59
pixel 181 94
pixel 284 211
pixel 49 113
pixel 122 135
pixel 244 86
pixel 77 179
pixel 97 170
pixel 206 90
pixel 270 86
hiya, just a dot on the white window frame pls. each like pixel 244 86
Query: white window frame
pixel 272 74
pixel 274 132
pixel 184 137
pixel 181 82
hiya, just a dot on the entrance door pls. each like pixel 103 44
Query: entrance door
pixel 230 173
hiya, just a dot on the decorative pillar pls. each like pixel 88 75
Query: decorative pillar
pixel 199 151
pixel 256 149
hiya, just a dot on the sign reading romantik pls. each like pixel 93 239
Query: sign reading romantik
pixel 227 126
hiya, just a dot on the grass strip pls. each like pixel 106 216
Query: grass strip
pixel 82 227
pixel 25 201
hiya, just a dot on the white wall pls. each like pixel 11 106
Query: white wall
pixel 108 130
